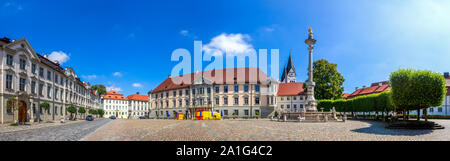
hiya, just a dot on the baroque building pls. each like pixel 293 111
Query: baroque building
pixel 138 105
pixel 33 79
pixel 132 106
pixel 115 104
pixel 235 92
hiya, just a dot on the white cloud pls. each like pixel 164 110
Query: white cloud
pixel 118 89
pixel 188 34
pixel 184 32
pixel 232 44
pixel 117 74
pixel 89 76
pixel 59 56
pixel 137 85
pixel 268 29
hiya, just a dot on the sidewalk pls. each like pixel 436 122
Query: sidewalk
pixel 6 128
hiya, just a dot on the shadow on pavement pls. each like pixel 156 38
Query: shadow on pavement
pixel 377 127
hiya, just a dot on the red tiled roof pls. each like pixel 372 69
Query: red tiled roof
pixel 137 97
pixel 290 89
pixel 345 95
pixel 374 88
pixel 239 75
pixel 113 95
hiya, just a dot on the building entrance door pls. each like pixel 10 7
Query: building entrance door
pixel 22 111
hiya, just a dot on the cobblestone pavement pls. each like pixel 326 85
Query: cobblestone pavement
pixel 260 130
pixel 68 132
pixel 28 126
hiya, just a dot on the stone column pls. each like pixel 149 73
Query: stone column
pixel 16 111
pixel 31 109
pixel 2 107
pixel 311 104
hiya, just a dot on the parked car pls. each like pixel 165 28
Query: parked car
pixel 112 117
pixel 90 118
pixel 142 117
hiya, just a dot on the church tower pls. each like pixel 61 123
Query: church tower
pixel 289 75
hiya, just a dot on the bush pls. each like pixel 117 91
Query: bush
pixel 14 124
pixel 369 103
pixel 438 116
pixel 100 112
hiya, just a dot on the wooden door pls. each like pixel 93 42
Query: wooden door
pixel 22 111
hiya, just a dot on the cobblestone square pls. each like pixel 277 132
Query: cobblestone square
pixel 260 130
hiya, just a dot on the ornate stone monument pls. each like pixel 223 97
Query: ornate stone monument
pixel 311 104
pixel 310 112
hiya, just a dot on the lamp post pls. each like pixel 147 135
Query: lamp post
pixel 311 104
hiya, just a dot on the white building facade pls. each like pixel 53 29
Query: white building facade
pixel 138 106
pixel 291 97
pixel 115 104
pixel 33 79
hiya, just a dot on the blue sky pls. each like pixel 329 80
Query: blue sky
pixel 127 45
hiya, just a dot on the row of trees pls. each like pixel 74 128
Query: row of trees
pixel 73 110
pixel 411 90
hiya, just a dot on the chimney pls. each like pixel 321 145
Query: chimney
pixel 45 56
pixel 137 92
pixel 364 87
pixel 170 76
pixel 356 88
pixel 446 74
pixel 380 84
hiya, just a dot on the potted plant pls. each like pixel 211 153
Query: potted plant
pixel 234 116
pixel 257 115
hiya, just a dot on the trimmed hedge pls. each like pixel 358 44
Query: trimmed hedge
pixel 428 116
pixel 369 103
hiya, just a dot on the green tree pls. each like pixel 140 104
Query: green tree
pixel 100 112
pixel 92 112
pixel 329 82
pixel 82 111
pixel 401 89
pixel 45 106
pixel 417 89
pixel 72 110
pixel 101 89
pixel 429 90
